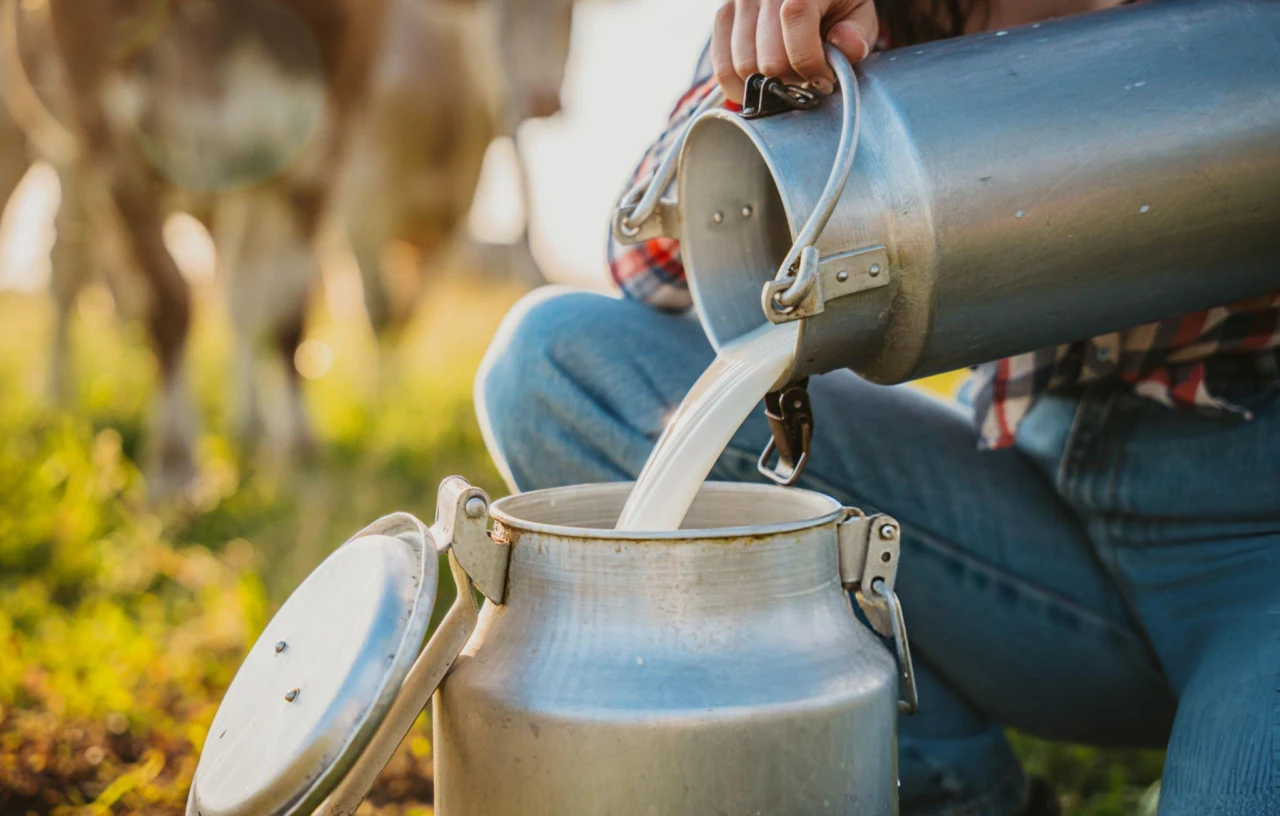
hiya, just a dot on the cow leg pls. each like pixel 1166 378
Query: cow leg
pixel 249 422
pixel 230 229
pixel 172 463
pixel 71 268
pixel 289 333
pixel 270 266
pixel 389 275
pixel 78 27
pixel 367 246
pixel 68 276
pixel 173 466
pixel 173 458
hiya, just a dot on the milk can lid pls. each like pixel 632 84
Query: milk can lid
pixel 319 681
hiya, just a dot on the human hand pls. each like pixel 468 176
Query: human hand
pixel 783 38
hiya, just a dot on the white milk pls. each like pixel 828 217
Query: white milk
pixel 698 432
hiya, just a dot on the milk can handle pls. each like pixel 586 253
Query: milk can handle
pixel 911 701
pixel 799 270
pixel 477 562
pixel 641 202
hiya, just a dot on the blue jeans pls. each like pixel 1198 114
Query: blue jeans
pixel 1113 579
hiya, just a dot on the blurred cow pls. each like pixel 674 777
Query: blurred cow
pixel 239 111
pixel 88 237
pixel 14 156
pixel 234 110
pixel 435 104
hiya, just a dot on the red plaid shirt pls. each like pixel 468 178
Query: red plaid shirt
pixel 1167 361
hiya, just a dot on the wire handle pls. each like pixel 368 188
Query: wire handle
pixel 641 201
pixel 911 702
pixel 799 270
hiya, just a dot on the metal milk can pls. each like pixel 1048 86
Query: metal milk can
pixel 717 669
pixel 988 195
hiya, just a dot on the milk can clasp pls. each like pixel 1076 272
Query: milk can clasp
pixel 869 548
pixel 766 96
pixel 790 418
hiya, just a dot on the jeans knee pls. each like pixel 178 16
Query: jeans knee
pixel 538 343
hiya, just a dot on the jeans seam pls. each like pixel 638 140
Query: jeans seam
pixel 1275 739
pixel 1048 596
pixel 1074 482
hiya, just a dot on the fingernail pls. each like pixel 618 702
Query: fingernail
pixel 866 49
pixel 838 33
pixel 823 86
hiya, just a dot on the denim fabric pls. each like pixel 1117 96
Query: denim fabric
pixel 1113 579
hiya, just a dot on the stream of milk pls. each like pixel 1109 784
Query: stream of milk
pixel 700 429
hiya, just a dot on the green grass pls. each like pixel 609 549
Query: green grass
pixel 120 624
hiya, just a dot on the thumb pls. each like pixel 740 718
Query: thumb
pixel 854 35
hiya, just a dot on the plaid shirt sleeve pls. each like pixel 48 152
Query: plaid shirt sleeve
pixel 651 272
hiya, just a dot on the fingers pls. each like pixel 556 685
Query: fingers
pixel 801 24
pixel 784 38
pixel 746 13
pixel 851 26
pixel 722 53
pixel 771 51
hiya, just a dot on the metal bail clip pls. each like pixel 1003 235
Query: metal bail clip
pixel 791 420
pixel 765 96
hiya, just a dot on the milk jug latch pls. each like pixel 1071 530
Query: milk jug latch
pixel 869 567
pixel 766 96
pixel 790 419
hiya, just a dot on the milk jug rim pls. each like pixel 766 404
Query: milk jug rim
pixel 804 509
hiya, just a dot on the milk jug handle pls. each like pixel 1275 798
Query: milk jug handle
pixel 459 531
pixel 798 273
pixel 634 220
pixel 910 701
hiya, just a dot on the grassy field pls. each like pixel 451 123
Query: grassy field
pixel 120 624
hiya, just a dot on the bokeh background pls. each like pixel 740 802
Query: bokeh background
pixel 123 619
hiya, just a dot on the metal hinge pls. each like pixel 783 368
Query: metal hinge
pixel 834 276
pixel 766 96
pixel 868 550
pixel 462 514
pixel 663 223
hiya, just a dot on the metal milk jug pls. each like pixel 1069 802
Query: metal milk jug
pixel 984 196
pixel 717 669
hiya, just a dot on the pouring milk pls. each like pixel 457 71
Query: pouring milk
pixel 719 402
